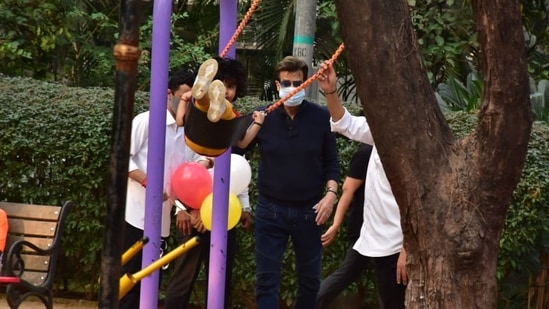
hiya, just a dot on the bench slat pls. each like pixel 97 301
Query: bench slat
pixel 40 242
pixel 31 227
pixel 26 211
pixel 35 277
pixel 36 262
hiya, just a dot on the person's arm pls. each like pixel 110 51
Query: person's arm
pixel 331 185
pixel 196 221
pixel 182 108
pixel 350 185
pixel 328 84
pixel 139 176
pixel 246 218
pixel 332 167
pixel 138 139
pixel 207 162
pixel 182 218
pixel 184 221
pixel 191 156
pixel 402 272
pixel 253 130
pixel 353 127
pixel 325 206
pixel 332 172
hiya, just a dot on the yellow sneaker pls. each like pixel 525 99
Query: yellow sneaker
pixel 216 93
pixel 206 74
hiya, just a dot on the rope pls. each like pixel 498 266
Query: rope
pixel 305 83
pixel 240 28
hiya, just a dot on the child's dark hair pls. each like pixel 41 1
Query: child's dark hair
pixel 231 71
pixel 181 77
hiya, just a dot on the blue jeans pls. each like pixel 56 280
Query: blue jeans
pixel 274 225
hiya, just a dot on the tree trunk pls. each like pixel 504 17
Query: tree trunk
pixel 453 193
pixel 538 295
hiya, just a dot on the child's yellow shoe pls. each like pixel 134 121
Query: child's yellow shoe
pixel 216 93
pixel 206 73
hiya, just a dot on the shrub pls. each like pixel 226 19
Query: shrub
pixel 55 145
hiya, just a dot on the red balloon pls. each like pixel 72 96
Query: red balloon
pixel 191 183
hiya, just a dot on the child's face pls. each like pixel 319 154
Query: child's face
pixel 230 93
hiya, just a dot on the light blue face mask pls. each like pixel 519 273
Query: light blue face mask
pixel 294 100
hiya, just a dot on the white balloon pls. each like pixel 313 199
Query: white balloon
pixel 241 174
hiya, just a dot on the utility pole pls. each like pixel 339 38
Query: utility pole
pixel 304 35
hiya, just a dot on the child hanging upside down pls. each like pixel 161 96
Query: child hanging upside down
pixel 211 123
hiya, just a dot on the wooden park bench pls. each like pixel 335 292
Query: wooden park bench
pixel 34 238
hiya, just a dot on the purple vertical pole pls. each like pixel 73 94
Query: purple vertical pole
pixel 218 245
pixel 155 158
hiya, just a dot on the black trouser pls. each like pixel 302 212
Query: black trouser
pixel 349 271
pixel 392 294
pixel 187 268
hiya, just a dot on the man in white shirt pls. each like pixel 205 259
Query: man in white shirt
pixel 381 236
pixel 176 153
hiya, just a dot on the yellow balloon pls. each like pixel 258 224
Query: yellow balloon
pixel 234 213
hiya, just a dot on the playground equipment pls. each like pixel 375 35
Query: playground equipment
pixel 128 281
pixel 133 250
pixel 127 54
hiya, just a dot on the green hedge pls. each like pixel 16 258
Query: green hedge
pixel 55 144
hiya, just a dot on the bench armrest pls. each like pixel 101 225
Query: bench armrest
pixel 15 266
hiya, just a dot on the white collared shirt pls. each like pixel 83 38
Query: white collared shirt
pixel 176 153
pixel 381 233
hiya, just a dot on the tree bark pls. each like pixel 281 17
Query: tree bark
pixel 453 193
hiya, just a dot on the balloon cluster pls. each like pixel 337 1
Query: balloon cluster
pixel 192 184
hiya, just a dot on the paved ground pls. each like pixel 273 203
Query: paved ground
pixel 59 303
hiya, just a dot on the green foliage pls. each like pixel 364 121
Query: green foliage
pixel 539 96
pixel 526 232
pixel 72 41
pixel 30 31
pixel 445 35
pixel 91 34
pixel 459 97
pixel 93 58
pixel 182 53
pixel 535 17
pixel 55 146
pixel 527 224
pixel 455 96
